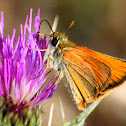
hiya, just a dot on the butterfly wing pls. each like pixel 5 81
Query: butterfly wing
pixel 86 72
pixel 117 65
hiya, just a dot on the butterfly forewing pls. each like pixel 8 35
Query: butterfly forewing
pixel 89 74
pixel 81 74
pixel 118 67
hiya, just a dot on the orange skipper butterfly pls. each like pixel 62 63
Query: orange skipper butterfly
pixel 91 75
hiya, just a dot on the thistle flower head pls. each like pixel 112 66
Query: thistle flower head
pixel 23 70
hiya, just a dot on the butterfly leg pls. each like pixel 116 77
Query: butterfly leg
pixel 49 57
pixel 60 74
pixel 59 78
pixel 47 65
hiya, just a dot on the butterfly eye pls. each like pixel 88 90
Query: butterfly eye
pixel 54 41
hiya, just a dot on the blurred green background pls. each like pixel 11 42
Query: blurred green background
pixel 100 25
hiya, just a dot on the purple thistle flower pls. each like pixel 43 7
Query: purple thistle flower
pixel 23 70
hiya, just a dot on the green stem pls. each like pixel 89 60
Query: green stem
pixel 80 120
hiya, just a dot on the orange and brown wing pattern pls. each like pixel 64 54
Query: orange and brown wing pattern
pixel 94 74
pixel 118 67
pixel 89 74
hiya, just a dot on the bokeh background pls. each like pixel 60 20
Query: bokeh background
pixel 100 25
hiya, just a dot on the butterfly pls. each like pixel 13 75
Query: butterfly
pixel 91 75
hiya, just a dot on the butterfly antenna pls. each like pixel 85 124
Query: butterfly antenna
pixel 49 27
pixel 72 23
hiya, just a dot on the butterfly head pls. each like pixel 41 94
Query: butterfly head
pixel 57 38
